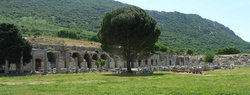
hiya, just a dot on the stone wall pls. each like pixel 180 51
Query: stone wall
pixel 237 59
pixel 71 59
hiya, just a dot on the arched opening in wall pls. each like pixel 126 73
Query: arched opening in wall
pixel 152 62
pixel 104 57
pixel 88 60
pixel 139 63
pixel 77 57
pixel 38 64
pixel 156 62
pixel 146 62
pixel 95 57
pixel 170 62
pixel 52 59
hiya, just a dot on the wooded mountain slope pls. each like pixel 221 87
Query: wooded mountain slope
pixel 83 16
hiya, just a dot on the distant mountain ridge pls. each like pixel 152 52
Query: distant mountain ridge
pixel 83 16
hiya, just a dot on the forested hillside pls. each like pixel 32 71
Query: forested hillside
pixel 47 17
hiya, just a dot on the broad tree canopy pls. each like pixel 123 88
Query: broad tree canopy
pixel 12 45
pixel 129 32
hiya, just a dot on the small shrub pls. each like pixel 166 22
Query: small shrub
pixel 228 50
pixel 209 57
pixel 160 47
pixel 189 52
pixel 103 62
pixel 97 63
pixel 50 49
pixel 68 34
pixel 68 49
pixel 97 51
pixel 37 34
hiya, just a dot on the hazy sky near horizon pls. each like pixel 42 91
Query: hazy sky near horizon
pixel 234 14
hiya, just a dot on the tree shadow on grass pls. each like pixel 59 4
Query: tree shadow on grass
pixel 134 75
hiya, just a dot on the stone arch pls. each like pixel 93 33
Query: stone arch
pixel 95 57
pixel 77 58
pixel 104 56
pixel 170 62
pixel 88 60
pixel 152 62
pixel 38 64
pixel 52 59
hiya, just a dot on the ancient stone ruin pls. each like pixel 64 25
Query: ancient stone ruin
pixel 51 59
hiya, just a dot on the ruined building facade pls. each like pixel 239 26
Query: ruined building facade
pixel 72 59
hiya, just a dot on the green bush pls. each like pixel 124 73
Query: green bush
pixel 103 62
pixel 189 52
pixel 68 34
pixel 100 62
pixel 68 49
pixel 209 57
pixel 228 50
pixel 160 47
pixel 50 49
pixel 97 63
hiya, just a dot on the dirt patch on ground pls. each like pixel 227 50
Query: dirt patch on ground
pixel 62 41
pixel 196 74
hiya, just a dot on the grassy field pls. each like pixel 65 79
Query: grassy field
pixel 220 82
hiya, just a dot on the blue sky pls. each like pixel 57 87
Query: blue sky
pixel 234 14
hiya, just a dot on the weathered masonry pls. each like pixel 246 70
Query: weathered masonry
pixel 49 59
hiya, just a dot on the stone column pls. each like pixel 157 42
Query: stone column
pixel 76 64
pixel 197 61
pixel 184 60
pixel 33 65
pixel 85 65
pixel 57 63
pixel 167 61
pixel 21 65
pixel 67 61
pixel 6 66
pixel 175 58
pixel 45 63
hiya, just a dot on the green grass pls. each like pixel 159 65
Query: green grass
pixel 220 82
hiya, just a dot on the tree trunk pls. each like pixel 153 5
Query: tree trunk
pixel 21 65
pixel 129 67
pixel 129 71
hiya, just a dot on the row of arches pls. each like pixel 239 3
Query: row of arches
pixel 52 58
pixel 88 58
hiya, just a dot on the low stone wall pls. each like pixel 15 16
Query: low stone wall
pixel 237 59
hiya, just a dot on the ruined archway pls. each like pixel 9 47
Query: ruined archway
pixel 88 60
pixel 38 64
pixel 52 59
pixel 152 62
pixel 104 57
pixel 78 59
pixel 95 57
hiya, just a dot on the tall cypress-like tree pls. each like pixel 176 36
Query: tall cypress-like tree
pixel 129 32
pixel 12 45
